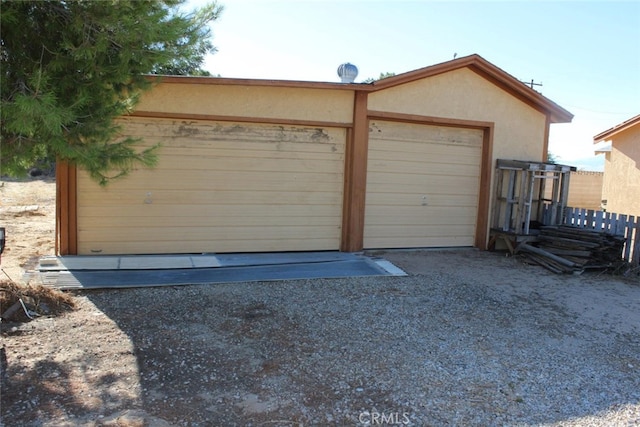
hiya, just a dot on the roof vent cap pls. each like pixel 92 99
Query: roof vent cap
pixel 347 72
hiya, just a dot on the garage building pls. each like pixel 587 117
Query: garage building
pixel 264 166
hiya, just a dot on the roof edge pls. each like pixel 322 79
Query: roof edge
pixel 617 129
pixel 255 82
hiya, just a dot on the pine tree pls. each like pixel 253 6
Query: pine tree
pixel 70 68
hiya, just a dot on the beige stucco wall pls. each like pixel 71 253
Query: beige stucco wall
pixel 463 94
pixel 621 186
pixel 287 103
pixel 585 190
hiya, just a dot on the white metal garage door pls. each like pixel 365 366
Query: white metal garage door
pixel 422 185
pixel 220 187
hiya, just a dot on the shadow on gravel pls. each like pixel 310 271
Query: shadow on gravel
pixel 459 343
pixel 32 395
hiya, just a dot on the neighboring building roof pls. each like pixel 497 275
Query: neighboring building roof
pixel 474 62
pixel 607 134
pixel 604 147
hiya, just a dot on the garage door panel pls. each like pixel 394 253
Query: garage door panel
pixel 177 179
pixel 422 185
pixel 409 216
pixel 425 165
pixel 150 234
pixel 415 231
pixel 429 167
pixel 395 149
pixel 309 238
pixel 434 191
pixel 420 242
pixel 218 183
pixel 262 164
pixel 265 152
pixel 203 146
pixel 423 202
pixel 155 201
pixel 204 246
pixel 221 221
pixel 415 183
pixel 212 131
pixel 101 214
pixel 401 131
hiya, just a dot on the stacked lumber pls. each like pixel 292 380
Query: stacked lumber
pixel 566 249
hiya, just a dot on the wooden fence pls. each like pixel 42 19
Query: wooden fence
pixel 612 223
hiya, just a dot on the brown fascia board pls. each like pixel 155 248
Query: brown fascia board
pixel 616 129
pixel 256 82
pixel 490 72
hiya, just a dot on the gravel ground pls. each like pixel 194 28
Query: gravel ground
pixel 469 338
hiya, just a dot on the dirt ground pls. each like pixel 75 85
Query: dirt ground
pixel 467 338
pixel 27 211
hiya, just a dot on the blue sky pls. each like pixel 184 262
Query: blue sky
pixel 586 54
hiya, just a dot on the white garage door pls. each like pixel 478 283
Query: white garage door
pixel 220 187
pixel 422 185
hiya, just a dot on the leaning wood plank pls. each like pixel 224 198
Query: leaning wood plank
pixel 582 238
pixel 575 242
pixel 577 260
pixel 573 230
pixel 538 260
pixel 567 252
pixel 587 231
pixel 582 231
pixel 548 264
pixel 528 248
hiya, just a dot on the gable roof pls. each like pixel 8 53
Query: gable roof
pixel 607 134
pixel 487 70
pixel 475 63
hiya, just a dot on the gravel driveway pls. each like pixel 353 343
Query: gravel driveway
pixel 469 338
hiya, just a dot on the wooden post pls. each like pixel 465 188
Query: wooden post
pixel 508 211
pixel 635 256
pixel 628 234
pixel 554 200
pixel 542 181
pixel 355 184
pixel 564 195
pixel 66 209
pixel 529 201
pixel 498 196
pixel 524 177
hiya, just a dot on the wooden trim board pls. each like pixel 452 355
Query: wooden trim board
pixel 241 119
pixel 355 178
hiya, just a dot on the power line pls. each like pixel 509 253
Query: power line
pixel 620 113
